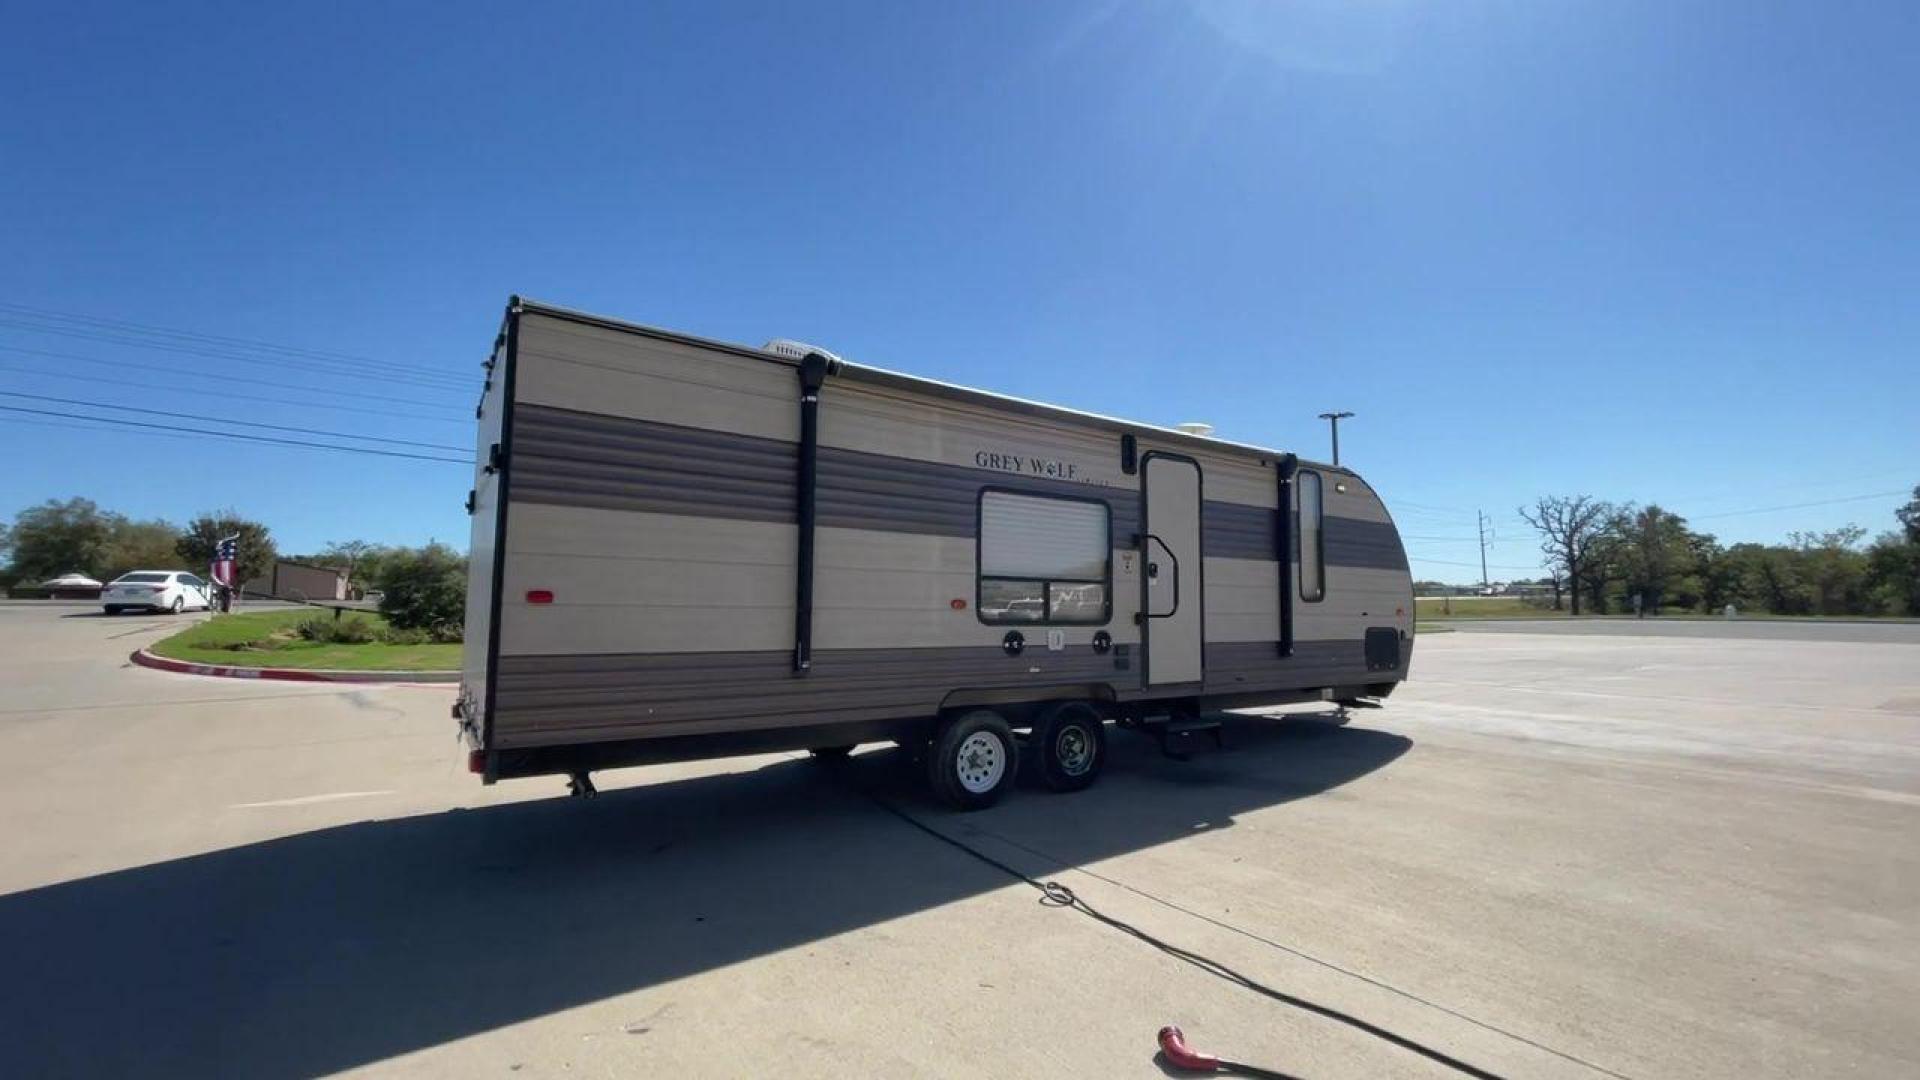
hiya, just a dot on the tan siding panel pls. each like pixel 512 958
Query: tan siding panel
pixel 629 582
pixel 568 365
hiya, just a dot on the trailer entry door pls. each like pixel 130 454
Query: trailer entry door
pixel 1172 620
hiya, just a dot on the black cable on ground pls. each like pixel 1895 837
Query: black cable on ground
pixel 1054 894
pixel 1345 972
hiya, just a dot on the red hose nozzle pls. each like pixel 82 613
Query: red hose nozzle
pixel 1173 1043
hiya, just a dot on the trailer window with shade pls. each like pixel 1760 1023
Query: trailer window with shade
pixel 1044 559
pixel 1313 549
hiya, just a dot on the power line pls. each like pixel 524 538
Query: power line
pixel 227 395
pixel 233 435
pixel 1797 485
pixel 1804 505
pixel 225 378
pixel 1428 517
pixel 447 383
pixel 89 427
pixel 236 423
pixel 221 340
pixel 1474 565
pixel 1430 507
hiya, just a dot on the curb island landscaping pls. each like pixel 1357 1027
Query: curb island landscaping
pixel 248 644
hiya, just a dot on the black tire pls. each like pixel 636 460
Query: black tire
pixel 973 760
pixel 831 753
pixel 113 609
pixel 179 605
pixel 1069 745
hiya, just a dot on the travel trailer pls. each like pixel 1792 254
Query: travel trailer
pixel 687 549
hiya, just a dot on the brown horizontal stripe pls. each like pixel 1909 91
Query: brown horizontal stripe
pixel 568 458
pixel 549 700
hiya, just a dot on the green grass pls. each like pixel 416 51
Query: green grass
pixel 1481 607
pixel 268 639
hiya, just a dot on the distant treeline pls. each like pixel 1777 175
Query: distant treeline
pixel 78 536
pixel 1605 555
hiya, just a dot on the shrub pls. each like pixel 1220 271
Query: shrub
pixel 393 635
pixel 347 630
pixel 426 590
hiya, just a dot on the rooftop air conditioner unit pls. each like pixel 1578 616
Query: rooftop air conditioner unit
pixel 797 350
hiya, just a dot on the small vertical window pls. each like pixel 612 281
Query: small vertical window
pixel 1044 560
pixel 1313 570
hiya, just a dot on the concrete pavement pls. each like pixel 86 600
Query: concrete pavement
pixel 1553 855
pixel 1864 631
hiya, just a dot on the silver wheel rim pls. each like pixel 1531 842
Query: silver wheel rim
pixel 1073 749
pixel 980 762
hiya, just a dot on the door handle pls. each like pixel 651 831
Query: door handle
pixel 1152 571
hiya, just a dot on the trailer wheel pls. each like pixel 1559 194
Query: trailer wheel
pixel 1071 741
pixel 973 760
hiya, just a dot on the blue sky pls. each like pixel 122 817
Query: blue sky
pixel 1643 250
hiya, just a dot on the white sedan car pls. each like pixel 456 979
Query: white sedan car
pixel 156 590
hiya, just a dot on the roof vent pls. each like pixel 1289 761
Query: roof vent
pixel 1195 427
pixel 797 350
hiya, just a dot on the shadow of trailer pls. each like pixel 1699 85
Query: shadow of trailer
pixel 683 548
pixel 352 945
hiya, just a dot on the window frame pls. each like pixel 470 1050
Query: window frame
pixel 1319 532
pixel 1046 583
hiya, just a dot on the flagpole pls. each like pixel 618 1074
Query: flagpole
pixel 231 584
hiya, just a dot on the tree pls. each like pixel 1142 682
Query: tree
pixel 1893 574
pixel 425 589
pixel 1656 554
pixel 56 538
pixel 347 555
pixel 1781 581
pixel 1909 516
pixel 141 545
pixel 256 551
pixel 1711 571
pixel 1835 567
pixel 1567 526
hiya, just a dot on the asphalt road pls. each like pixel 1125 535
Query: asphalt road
pixel 1552 855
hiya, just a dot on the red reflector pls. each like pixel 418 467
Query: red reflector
pixel 957 604
pixel 539 596
pixel 476 761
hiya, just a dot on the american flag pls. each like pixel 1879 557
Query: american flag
pixel 223 559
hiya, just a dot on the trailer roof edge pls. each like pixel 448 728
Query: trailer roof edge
pixel 885 377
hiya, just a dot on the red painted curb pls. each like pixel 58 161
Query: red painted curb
pixel 222 671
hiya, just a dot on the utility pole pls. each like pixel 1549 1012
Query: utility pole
pixel 1480 520
pixel 1334 419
